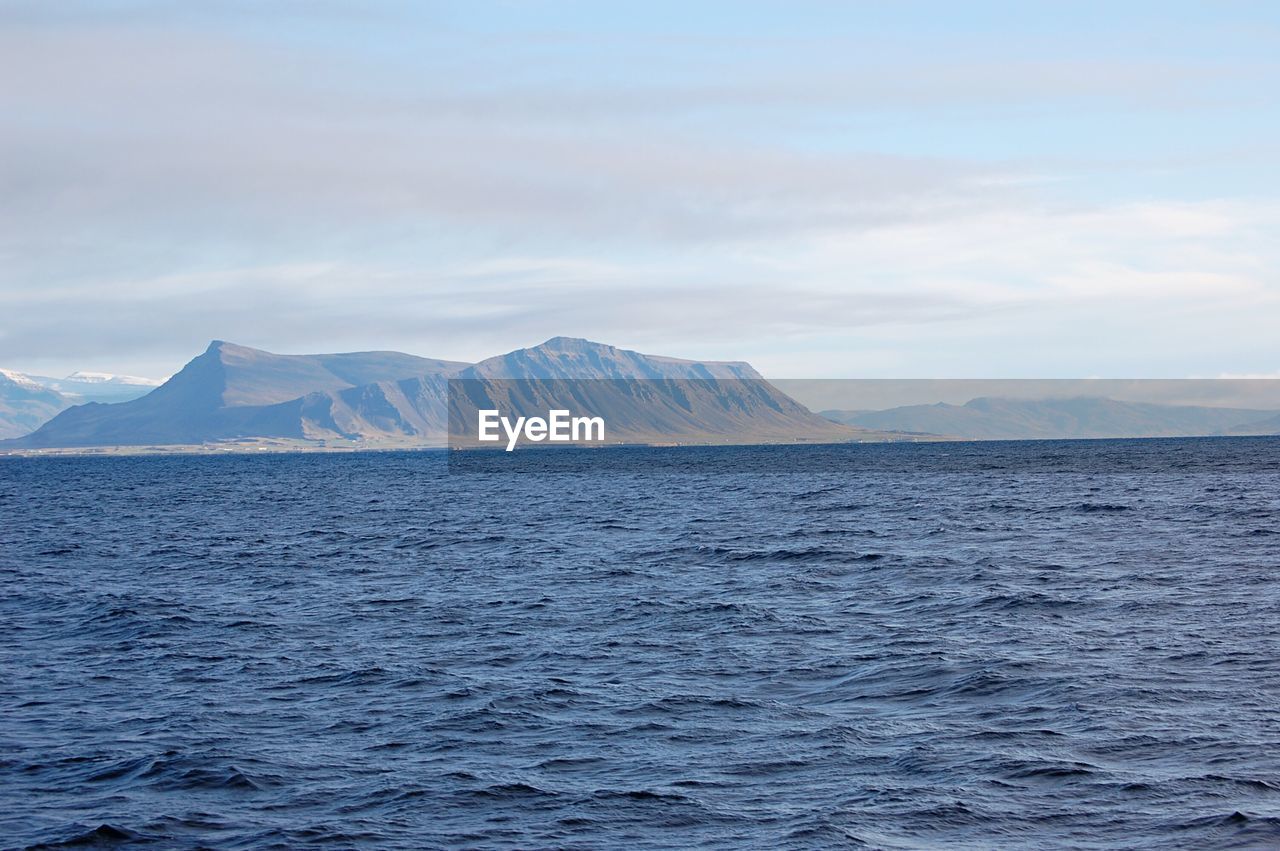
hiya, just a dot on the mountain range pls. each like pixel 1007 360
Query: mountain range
pixel 232 394
pixel 988 418
pixel 236 393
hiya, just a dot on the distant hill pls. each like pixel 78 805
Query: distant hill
pixel 1269 425
pixel 28 401
pixel 25 403
pixel 100 386
pixel 988 418
pixel 233 392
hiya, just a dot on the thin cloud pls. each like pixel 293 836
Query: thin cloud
pixel 171 173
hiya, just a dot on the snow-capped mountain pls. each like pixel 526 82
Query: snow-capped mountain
pixel 20 379
pixel 25 403
pixel 81 377
pixel 98 386
pixel 28 401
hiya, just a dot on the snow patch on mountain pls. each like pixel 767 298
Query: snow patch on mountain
pixel 109 378
pixel 22 380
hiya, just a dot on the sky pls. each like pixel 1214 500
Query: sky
pixel 904 190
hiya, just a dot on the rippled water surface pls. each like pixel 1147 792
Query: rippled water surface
pixel 991 645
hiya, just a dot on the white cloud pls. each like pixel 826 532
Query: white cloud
pixel 165 181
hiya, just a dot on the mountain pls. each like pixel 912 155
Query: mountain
pixel 25 403
pixel 642 398
pixel 233 392
pixel 989 418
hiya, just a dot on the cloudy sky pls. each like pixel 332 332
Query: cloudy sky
pixel 827 190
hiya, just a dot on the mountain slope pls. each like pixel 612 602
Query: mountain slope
pixel 408 411
pixel 987 418
pixel 242 376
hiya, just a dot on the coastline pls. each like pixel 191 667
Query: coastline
pixel 253 447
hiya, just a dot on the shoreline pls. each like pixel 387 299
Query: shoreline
pixel 303 448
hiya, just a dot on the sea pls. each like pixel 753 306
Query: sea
pixel 1066 644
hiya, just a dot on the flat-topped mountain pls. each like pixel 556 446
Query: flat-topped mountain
pixel 988 418
pixel 570 357
pixel 644 398
pixel 233 392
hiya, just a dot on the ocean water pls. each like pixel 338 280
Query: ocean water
pixel 1042 645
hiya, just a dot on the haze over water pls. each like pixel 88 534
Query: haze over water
pixel 1067 644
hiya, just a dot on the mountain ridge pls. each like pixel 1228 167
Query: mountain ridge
pixel 232 392
pixel 578 358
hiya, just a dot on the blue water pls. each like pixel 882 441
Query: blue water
pixel 1058 645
